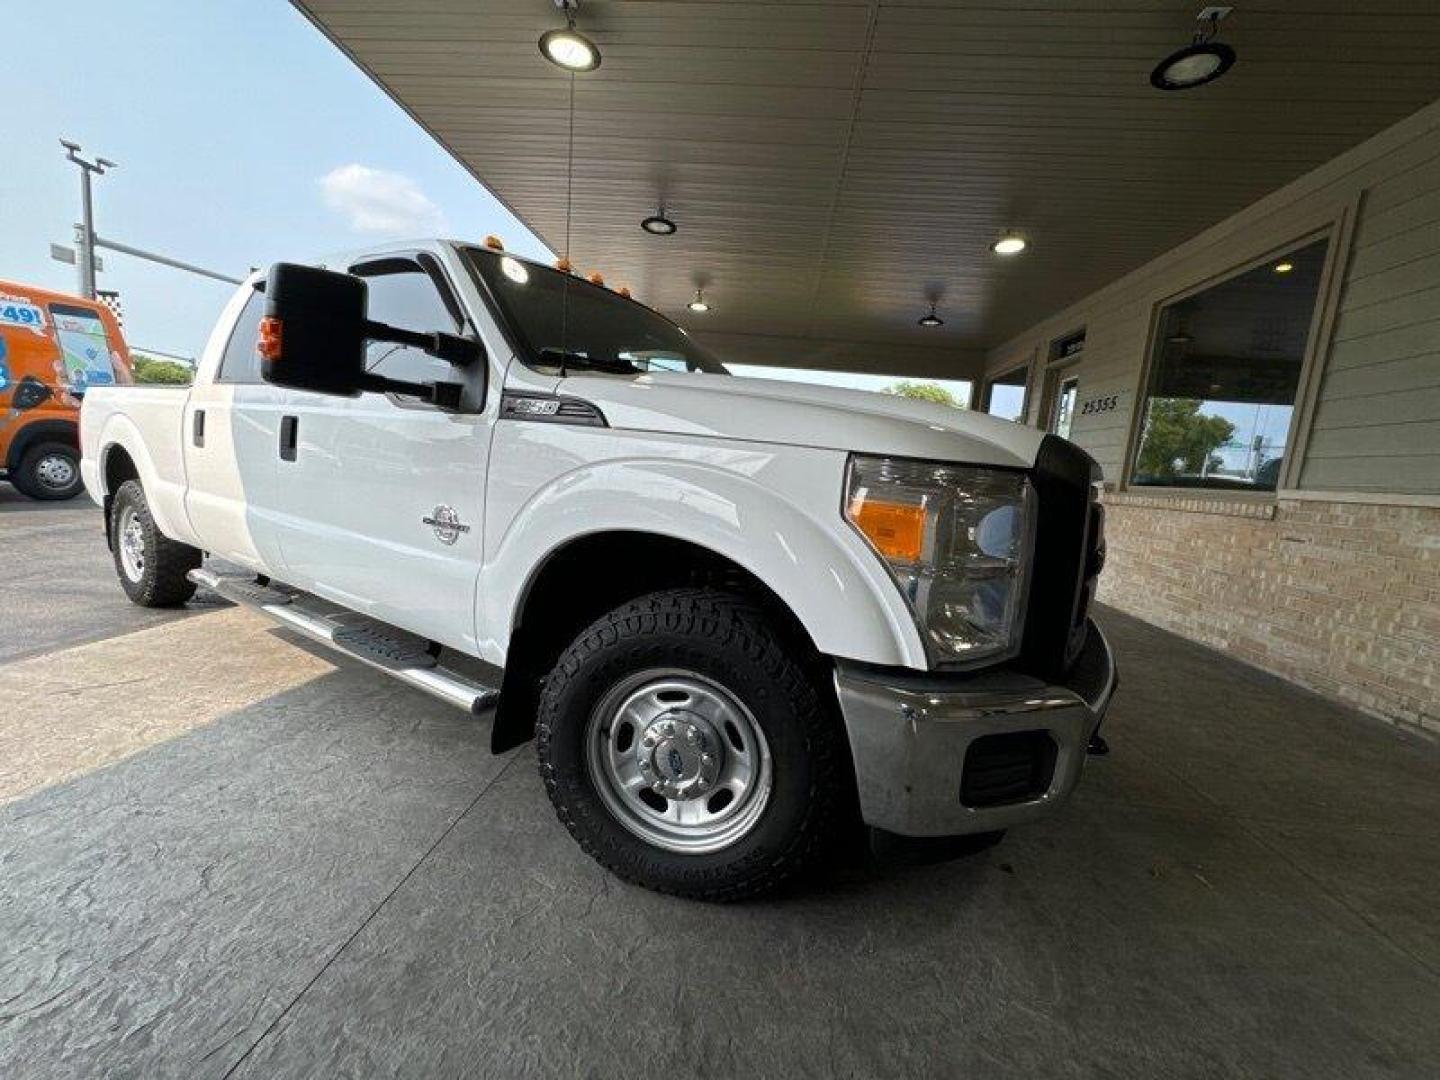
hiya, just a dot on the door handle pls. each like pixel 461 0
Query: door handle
pixel 289 430
pixel 198 431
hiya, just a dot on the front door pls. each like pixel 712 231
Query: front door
pixel 383 494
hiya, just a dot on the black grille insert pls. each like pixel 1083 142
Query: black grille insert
pixel 1069 543
pixel 1011 768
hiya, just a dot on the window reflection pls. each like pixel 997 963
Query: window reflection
pixel 1224 375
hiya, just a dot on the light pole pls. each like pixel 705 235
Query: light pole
pixel 85 237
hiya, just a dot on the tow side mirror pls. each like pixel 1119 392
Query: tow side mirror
pixel 314 333
pixel 314 330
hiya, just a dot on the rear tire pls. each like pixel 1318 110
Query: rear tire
pixel 49 471
pixel 692 694
pixel 151 566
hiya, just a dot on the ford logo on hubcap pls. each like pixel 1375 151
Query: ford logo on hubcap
pixel 676 763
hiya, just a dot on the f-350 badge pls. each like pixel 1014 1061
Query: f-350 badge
pixel 446 524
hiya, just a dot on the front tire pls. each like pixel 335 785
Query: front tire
pixel 151 566
pixel 687 749
pixel 49 471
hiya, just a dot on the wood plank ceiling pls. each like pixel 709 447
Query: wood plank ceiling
pixel 833 165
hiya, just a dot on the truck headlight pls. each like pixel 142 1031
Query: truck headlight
pixel 956 539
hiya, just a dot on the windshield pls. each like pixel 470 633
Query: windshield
pixel 565 322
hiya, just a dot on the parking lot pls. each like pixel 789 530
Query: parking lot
pixel 224 853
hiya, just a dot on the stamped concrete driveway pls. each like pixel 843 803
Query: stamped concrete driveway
pixel 225 854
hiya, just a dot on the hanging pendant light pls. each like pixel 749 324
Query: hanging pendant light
pixel 657 224
pixel 568 48
pixel 698 305
pixel 1203 60
pixel 931 319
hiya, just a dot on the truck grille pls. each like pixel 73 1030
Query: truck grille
pixel 1069 555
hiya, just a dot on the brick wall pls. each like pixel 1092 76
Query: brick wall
pixel 1341 597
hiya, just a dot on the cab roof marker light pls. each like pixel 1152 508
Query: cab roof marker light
pixel 494 243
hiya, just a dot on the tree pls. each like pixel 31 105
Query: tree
pixel 159 372
pixel 1179 440
pixel 922 391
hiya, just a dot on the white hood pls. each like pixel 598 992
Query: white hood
pixel 801 414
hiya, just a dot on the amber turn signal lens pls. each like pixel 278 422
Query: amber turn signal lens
pixel 896 529
pixel 268 346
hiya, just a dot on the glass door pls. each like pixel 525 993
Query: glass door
pixel 1062 405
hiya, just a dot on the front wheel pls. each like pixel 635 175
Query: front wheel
pixel 151 566
pixel 687 749
pixel 48 471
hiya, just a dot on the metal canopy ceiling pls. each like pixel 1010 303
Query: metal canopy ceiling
pixel 831 165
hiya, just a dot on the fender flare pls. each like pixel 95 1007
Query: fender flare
pixel 166 498
pixel 822 571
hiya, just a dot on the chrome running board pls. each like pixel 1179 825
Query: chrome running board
pixel 386 648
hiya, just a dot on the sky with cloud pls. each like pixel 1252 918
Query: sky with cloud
pixel 242 137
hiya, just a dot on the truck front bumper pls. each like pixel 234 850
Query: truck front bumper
pixel 933 758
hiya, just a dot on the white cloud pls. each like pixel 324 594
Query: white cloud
pixel 377 201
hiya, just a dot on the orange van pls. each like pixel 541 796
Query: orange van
pixel 52 346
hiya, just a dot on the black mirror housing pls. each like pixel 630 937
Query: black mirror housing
pixel 314 330
pixel 461 352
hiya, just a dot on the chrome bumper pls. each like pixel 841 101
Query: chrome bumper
pixel 912 738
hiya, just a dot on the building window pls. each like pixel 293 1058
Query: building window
pixel 1223 378
pixel 1005 395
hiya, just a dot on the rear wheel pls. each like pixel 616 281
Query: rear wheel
pixel 151 566
pixel 687 749
pixel 49 470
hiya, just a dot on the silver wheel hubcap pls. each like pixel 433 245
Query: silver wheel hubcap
pixel 55 471
pixel 132 545
pixel 679 761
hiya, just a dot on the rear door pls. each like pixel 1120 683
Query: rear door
pixel 383 495
pixel 230 434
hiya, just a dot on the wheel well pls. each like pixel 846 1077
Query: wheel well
pixel 38 431
pixel 117 468
pixel 594 574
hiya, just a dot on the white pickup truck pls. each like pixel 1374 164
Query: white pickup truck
pixel 731 612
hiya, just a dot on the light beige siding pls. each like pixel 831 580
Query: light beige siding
pixel 1376 421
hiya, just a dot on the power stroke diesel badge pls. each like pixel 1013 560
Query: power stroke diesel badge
pixel 446 523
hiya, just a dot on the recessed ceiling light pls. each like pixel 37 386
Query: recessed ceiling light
pixel 698 305
pixel 1283 267
pixel 931 319
pixel 657 224
pixel 1203 60
pixel 569 48
pixel 1011 243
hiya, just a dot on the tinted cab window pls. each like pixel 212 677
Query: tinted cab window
pixel 240 363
